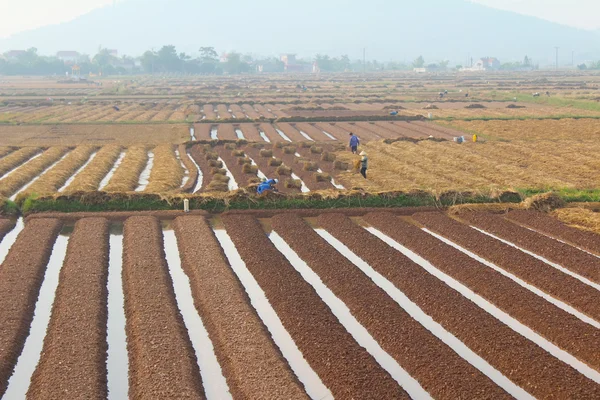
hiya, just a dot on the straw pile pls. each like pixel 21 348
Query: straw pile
pixel 89 179
pixel 55 178
pixel 25 174
pixel 5 150
pixel 167 173
pixel 127 175
pixel 17 158
pixel 579 217
pixel 293 183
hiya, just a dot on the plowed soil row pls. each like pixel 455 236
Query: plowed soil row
pixel 555 228
pixel 333 130
pixel 271 133
pixel 558 326
pixel 202 131
pixel 520 360
pixel 73 360
pixel 291 132
pixel 251 363
pixel 226 132
pixel 162 363
pixel 382 130
pixel 567 256
pixel 234 167
pixel 437 368
pixel 198 155
pixel 315 133
pixel 343 365
pixel 6 225
pixel 533 271
pixel 269 171
pixel 308 177
pixel 362 133
pixel 251 132
pixel 21 277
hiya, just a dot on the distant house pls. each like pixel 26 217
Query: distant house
pixel 290 64
pixel 486 64
pixel 429 68
pixel 13 55
pixel 68 57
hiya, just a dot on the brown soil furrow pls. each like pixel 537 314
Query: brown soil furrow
pixel 202 131
pixel 198 155
pixel 209 112
pixel 6 225
pixel 341 363
pixel 251 132
pixel 520 360
pixel 391 127
pixel 262 110
pixel 379 130
pixel 437 368
pixel 291 132
pixel 223 111
pixel 315 133
pixel 334 131
pixel 73 361
pixel 250 112
pixel 21 277
pixel 234 167
pixel 567 256
pixel 252 364
pixel 271 133
pixel 533 271
pixel 358 131
pixel 193 171
pixel 226 132
pixel 553 227
pixel 558 326
pixel 162 363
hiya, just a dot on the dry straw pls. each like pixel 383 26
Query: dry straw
pixel 17 158
pixel 167 173
pixel 89 179
pixel 125 178
pixel 54 179
pixel 579 217
pixel 25 174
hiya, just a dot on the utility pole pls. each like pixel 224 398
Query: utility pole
pixel 573 58
pixel 364 60
pixel 557 57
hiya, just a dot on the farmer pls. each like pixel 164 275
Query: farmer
pixel 268 185
pixel 364 164
pixel 354 142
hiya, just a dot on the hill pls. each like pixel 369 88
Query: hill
pixel 399 30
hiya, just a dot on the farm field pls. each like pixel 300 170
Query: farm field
pixel 401 303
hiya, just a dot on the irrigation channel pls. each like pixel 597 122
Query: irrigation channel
pixel 322 306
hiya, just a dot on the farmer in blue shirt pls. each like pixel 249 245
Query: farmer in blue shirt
pixel 267 185
pixel 354 142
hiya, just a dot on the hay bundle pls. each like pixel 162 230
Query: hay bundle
pixel 545 202
pixel 475 106
pixel 220 178
pixel 328 157
pixel 316 150
pixel 241 142
pixel 257 145
pixel 278 145
pixel 293 183
pixel 289 150
pixel 249 169
pixel 274 162
pixel 218 171
pixel 431 107
pixel 282 170
pixel 244 161
pixel 266 153
pixel 238 153
pixel 322 177
pixel 340 165
pixel 230 146
pixel 211 156
pixel 215 164
pixel 310 166
pixel 217 186
pixel 305 145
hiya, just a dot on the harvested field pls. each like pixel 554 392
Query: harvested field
pixel 126 176
pixel 167 173
pixel 386 304
pixel 89 179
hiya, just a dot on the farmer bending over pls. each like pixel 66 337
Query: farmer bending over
pixel 354 142
pixel 364 164
pixel 268 185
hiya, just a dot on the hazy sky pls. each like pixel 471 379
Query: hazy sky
pixel 20 15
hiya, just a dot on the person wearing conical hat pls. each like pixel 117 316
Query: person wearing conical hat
pixel 364 161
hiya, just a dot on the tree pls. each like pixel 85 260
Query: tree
pixel 168 60
pixel 235 65
pixel 149 60
pixel 419 62
pixel 526 61
pixel 104 59
pixel 208 55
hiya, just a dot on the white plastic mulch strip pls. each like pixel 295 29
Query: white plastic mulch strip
pixel 283 135
pixel 306 136
pixel 303 188
pixel 18 383
pixel 329 135
pixel 232 183
pixel 306 375
pixel 20 165
pixel 117 361
pixel 10 239
pixel 563 306
pixel 214 134
pixel 550 263
pixel 502 316
pixel 200 176
pixel 110 174
pixel 425 320
pixel 144 178
pixel 72 178
pixel 240 134
pixel 264 137
pixel 350 323
pixel 192 134
pixel 186 172
pixel 213 380
pixel 14 196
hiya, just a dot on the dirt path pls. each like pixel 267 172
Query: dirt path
pixel 533 271
pixel 343 366
pixel 252 364
pixel 567 256
pixel 162 363
pixel 73 362
pixel 21 277
pixel 558 326
pixel 519 359
pixel 553 227
pixel 439 370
